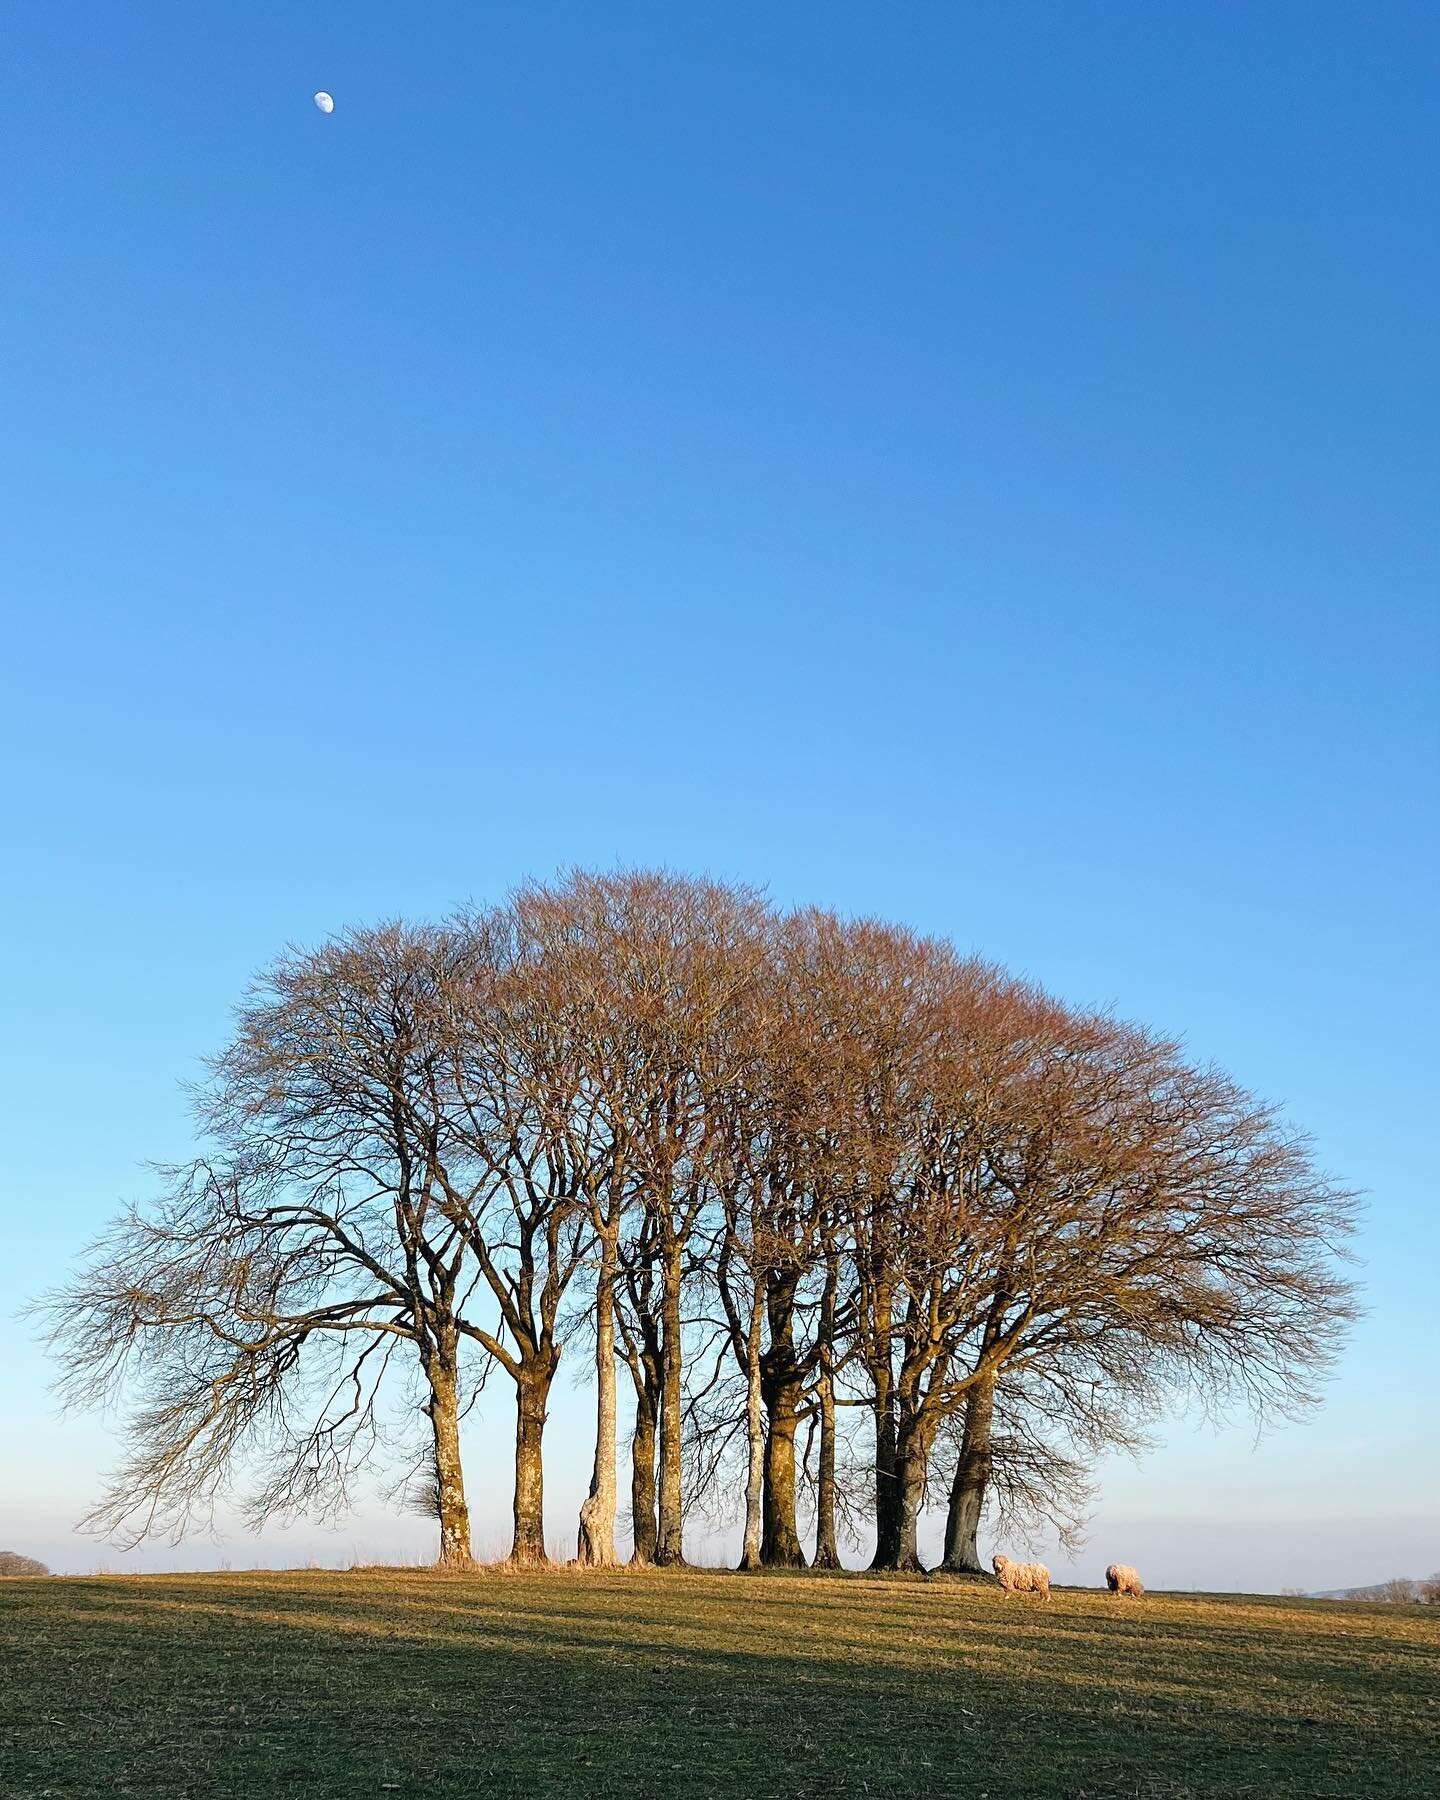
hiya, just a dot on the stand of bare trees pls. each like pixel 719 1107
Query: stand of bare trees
pixel 789 1170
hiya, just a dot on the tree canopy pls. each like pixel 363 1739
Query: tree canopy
pixel 794 1172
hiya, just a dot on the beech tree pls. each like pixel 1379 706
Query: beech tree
pixel 890 1177
pixel 252 1314
pixel 923 1241
pixel 1139 1211
pixel 637 1321
pixel 1023 1441
pixel 680 959
pixel 577 1040
pixel 1171 1238
pixel 526 1154
pixel 811 1147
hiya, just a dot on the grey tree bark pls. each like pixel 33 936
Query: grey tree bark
pixel 644 1529
pixel 827 1549
pixel 910 1460
pixel 751 1556
pixel 532 1393
pixel 595 1545
pixel 783 1390
pixel 441 1365
pixel 972 1477
pixel 670 1536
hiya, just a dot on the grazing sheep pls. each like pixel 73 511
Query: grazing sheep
pixel 1022 1578
pixel 1120 1578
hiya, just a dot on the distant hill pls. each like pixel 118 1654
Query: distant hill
pixel 1399 1588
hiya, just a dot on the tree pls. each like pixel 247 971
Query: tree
pixel 1169 1234
pixel 637 1319
pixel 806 1175
pixel 258 1306
pixel 678 959
pixel 566 1047
pixel 1024 1439
pixel 861 1169
pixel 12 1563
pixel 523 1159
pixel 925 1246
pixel 1068 1191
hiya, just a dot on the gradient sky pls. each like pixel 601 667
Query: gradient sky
pixel 973 463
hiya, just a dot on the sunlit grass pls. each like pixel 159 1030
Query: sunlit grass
pixel 312 1683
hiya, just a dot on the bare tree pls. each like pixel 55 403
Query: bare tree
pixel 637 1320
pixel 799 1174
pixel 1169 1233
pixel 258 1306
pixel 1023 1442
pixel 923 1243
pixel 12 1563
pixel 1062 1186
pixel 679 958
pixel 567 930
pixel 530 1160
pixel 887 1176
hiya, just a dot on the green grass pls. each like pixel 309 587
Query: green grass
pixel 379 1681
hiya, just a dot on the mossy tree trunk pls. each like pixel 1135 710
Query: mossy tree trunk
pixel 782 1384
pixel 532 1394
pixel 751 1556
pixel 440 1359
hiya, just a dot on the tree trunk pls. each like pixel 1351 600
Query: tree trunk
pixel 899 1500
pixel 670 1538
pixel 441 1366
pixel 783 1387
pixel 532 1391
pixel 910 1460
pixel 642 1480
pixel 595 1545
pixel 781 1547
pixel 972 1477
pixel 827 1550
pixel 887 1492
pixel 750 1557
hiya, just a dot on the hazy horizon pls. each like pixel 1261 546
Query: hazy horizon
pixel 1178 1514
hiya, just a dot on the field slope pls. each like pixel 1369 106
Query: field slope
pixel 374 1682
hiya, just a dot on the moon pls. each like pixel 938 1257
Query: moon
pixel 324 102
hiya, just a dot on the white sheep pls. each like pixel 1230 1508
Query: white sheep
pixel 1022 1578
pixel 1120 1578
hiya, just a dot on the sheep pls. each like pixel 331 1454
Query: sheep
pixel 1022 1578
pixel 1120 1578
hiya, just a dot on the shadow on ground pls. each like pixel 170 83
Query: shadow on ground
pixel 320 1684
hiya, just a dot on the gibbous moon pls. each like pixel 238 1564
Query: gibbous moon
pixel 324 102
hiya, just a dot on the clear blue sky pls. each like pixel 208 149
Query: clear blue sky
pixel 970 462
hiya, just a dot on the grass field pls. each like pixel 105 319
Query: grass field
pixel 410 1683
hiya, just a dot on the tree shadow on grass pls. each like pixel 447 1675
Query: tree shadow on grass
pixel 330 1686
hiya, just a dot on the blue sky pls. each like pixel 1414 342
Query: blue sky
pixel 973 463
